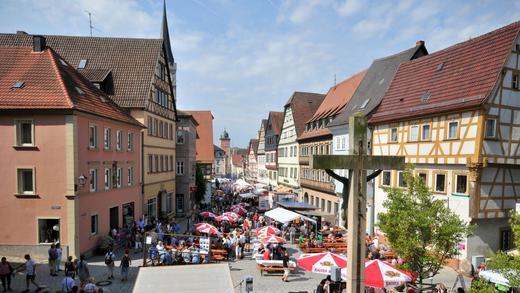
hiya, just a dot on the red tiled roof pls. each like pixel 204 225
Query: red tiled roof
pixel 237 160
pixel 457 77
pixel 51 83
pixel 204 144
pixel 303 106
pixel 334 101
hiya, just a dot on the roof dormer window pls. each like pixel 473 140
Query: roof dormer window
pixel 18 84
pixel 82 63
pixel 365 103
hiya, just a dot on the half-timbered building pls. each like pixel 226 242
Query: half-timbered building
pixel 299 108
pixel 455 115
pixel 317 187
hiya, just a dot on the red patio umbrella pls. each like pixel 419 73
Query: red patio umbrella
pixel 273 239
pixel 321 263
pixel 208 215
pixel 379 274
pixel 231 214
pixel 267 231
pixel 225 218
pixel 239 210
pixel 207 228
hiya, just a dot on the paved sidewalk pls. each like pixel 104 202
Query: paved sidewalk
pixel 97 269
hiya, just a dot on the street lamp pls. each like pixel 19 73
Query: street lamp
pixel 82 179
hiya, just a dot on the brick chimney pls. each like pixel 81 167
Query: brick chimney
pixel 419 43
pixel 39 43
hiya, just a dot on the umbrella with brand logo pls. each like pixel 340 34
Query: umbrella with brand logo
pixel 321 263
pixel 379 274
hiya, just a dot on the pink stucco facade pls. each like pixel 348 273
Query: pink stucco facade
pixel 20 215
pixel 61 153
pixel 100 202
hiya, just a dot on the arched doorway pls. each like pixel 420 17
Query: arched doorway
pixel 306 198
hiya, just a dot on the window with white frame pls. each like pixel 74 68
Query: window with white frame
pixel 515 81
pixel 386 179
pixel 26 184
pixel 94 221
pixel 119 140
pixel 150 126
pixel 130 175
pixel 440 182
pixel 92 137
pixel 151 207
pixel 130 142
pixel 24 133
pixel 461 185
pixel 93 180
pixel 414 133
pixel 180 168
pixel 491 127
pixel 453 130
pixel 393 134
pixel 425 134
pixel 108 138
pixel 108 178
pixel 119 177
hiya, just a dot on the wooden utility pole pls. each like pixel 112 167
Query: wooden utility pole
pixel 357 162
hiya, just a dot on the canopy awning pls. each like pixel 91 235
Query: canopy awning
pixel 296 205
pixel 284 216
pixel 248 195
pixel 494 277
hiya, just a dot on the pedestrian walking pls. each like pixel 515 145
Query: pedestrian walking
pixel 285 263
pixel 292 234
pixel 59 253
pixel 70 268
pixel 138 241
pixel 30 274
pixel 83 271
pixel 67 284
pixel 6 270
pixel 109 262
pixel 52 260
pixel 125 265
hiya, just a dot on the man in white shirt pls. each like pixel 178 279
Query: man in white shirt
pixel 30 273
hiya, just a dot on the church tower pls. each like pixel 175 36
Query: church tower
pixel 225 144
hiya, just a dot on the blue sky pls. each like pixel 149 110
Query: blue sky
pixel 241 59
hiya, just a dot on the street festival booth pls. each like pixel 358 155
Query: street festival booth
pixel 285 216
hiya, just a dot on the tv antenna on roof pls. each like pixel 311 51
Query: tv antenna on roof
pixel 334 79
pixel 90 21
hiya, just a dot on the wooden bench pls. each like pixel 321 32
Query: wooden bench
pixel 339 244
pixel 271 269
pixel 313 249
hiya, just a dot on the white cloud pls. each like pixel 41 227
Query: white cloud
pixel 349 7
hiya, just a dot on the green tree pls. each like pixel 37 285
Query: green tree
pixel 201 182
pixel 420 228
pixel 509 265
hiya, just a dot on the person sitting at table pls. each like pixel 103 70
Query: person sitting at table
pixel 153 254
pixel 301 240
pixel 374 254
pixel 261 249
pixel 160 246
pixel 331 236
pixel 167 258
pixel 267 254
